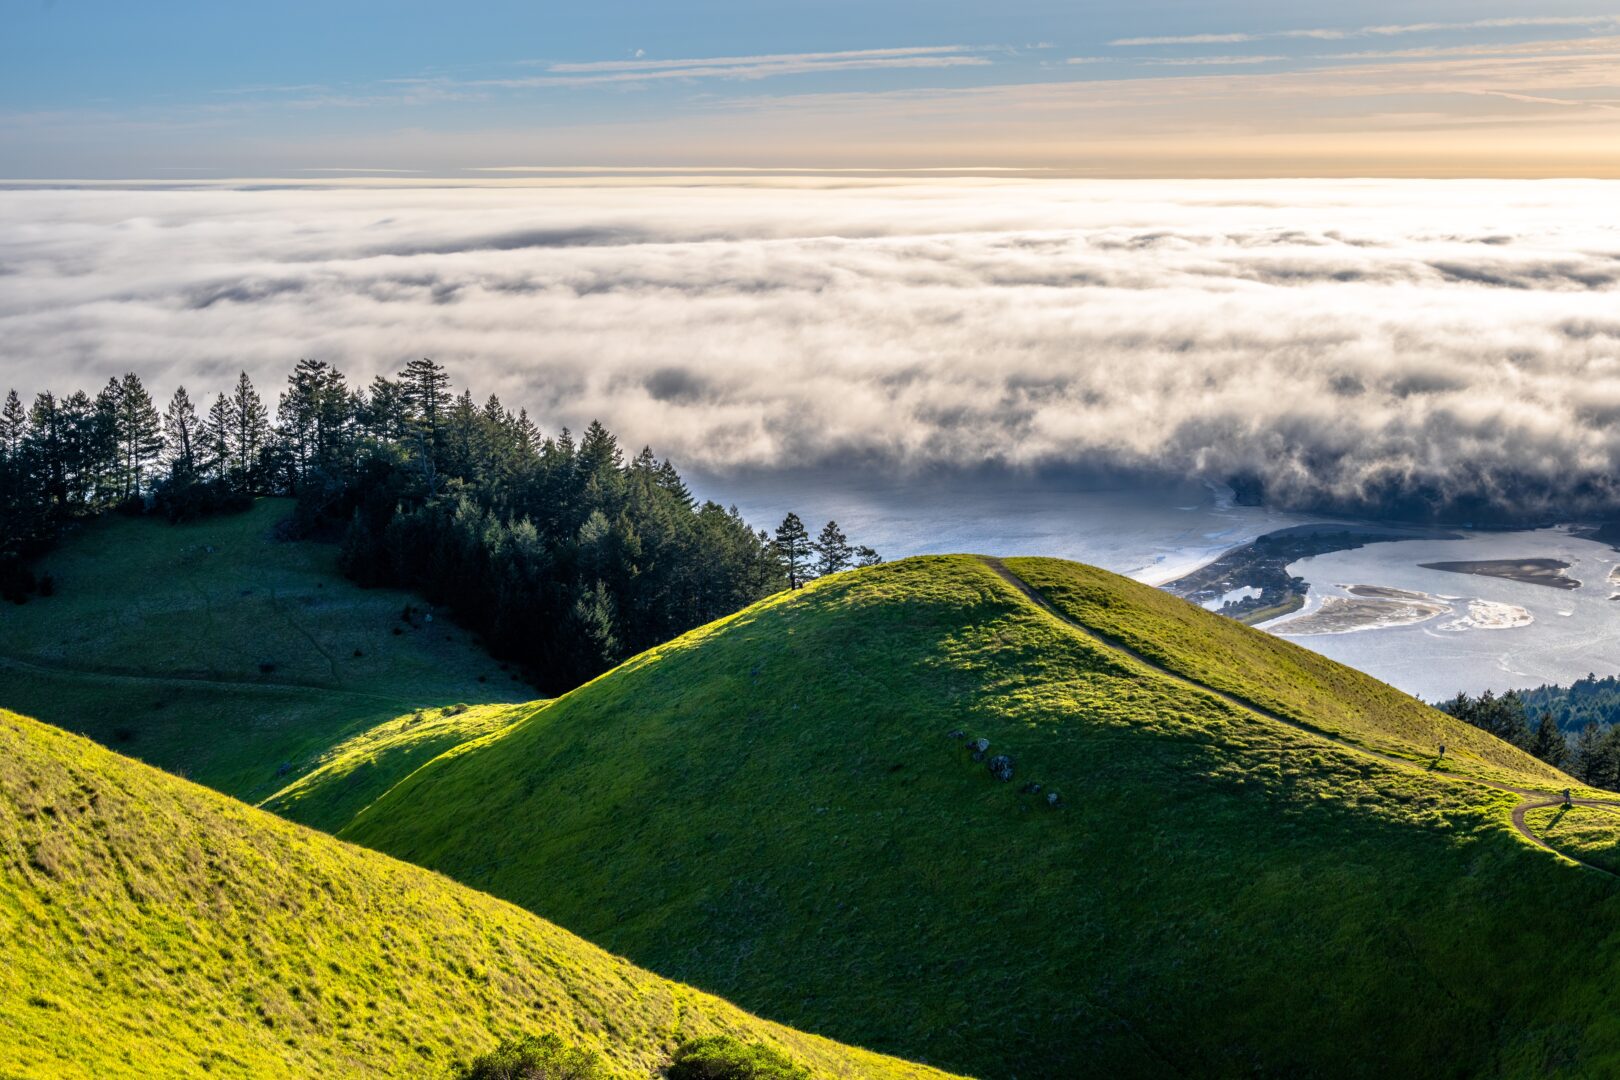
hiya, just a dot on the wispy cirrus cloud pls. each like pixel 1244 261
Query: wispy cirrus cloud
pixel 761 66
pixel 1387 30
pixel 1209 61
pixel 1189 39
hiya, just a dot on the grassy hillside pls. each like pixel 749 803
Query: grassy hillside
pixel 347 777
pixel 1588 833
pixel 217 651
pixel 774 807
pixel 151 927
pixel 1273 673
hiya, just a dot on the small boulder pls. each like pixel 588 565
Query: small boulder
pixel 1053 799
pixel 958 735
pixel 979 747
pixel 1030 788
pixel 1001 767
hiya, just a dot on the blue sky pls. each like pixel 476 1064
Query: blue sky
pixel 1205 87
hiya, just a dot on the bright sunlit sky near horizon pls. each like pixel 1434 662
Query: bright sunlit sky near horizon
pixel 192 90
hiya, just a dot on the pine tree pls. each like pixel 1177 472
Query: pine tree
pixel 182 437
pixel 1587 755
pixel 13 426
pixel 89 427
pixel 137 433
pixel 1605 772
pixel 792 548
pixel 425 390
pixel 216 452
pixel 671 481
pixel 385 409
pixel 249 433
pixel 296 417
pixel 598 452
pixel 593 619
pixel 528 436
pixel 1549 744
pixel 462 437
pixel 832 549
pixel 865 556
pixel 46 445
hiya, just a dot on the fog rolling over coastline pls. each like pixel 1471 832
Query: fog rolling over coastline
pixel 1375 347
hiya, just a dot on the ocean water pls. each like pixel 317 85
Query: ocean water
pixel 1155 534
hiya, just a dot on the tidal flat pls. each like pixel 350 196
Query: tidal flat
pixel 1548 572
pixel 1502 633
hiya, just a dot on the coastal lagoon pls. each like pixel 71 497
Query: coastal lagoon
pixel 1491 632
pixel 1430 632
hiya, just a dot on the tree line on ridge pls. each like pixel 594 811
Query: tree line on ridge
pixel 565 555
pixel 1582 742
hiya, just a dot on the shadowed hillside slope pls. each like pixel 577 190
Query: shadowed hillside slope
pixel 785 807
pixel 217 651
pixel 150 927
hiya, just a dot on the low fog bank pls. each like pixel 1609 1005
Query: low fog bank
pixel 1152 531
pixel 1422 350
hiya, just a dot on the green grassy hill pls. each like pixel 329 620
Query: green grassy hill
pixel 348 776
pixel 784 807
pixel 151 927
pixel 217 651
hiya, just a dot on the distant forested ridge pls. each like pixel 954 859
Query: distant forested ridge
pixel 565 555
pixel 1585 701
pixel 1573 727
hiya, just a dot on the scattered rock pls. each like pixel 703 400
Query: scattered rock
pixel 979 746
pixel 958 735
pixel 1054 799
pixel 1030 788
pixel 1001 767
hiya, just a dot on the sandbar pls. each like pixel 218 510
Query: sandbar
pixel 1370 607
pixel 1548 572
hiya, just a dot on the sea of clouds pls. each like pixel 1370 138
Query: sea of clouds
pixel 1372 346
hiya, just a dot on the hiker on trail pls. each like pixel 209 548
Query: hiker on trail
pixel 1566 797
pixel 1442 749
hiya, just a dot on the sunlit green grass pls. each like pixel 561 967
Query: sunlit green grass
pixel 1588 833
pixel 153 928
pixel 772 807
pixel 346 778
pixel 215 650
pixel 1294 682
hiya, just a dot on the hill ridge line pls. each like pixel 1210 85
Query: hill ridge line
pixel 1531 798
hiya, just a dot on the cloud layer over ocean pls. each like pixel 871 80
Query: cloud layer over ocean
pixel 1354 344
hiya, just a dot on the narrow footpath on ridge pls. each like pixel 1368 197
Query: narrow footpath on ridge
pixel 1530 798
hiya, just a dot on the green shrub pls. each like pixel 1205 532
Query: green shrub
pixel 721 1057
pixel 536 1057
